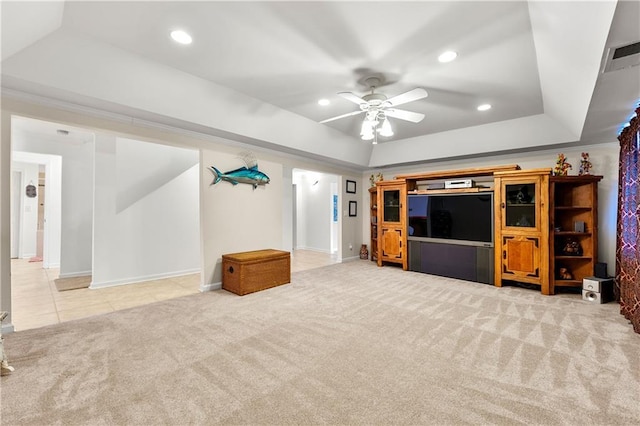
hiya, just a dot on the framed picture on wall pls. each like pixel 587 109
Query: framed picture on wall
pixel 353 208
pixel 351 187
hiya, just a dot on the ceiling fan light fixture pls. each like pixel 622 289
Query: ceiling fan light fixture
pixel 447 56
pixel 368 136
pixel 366 128
pixel 386 130
pixel 376 106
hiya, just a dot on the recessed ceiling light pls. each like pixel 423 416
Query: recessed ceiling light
pixel 324 102
pixel 448 56
pixel 484 107
pixel 181 37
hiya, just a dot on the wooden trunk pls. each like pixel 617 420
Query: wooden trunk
pixel 252 271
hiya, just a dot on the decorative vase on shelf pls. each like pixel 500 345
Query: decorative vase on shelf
pixel 364 253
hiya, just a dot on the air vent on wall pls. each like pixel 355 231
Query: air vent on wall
pixel 623 57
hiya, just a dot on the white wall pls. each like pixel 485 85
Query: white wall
pixel 238 218
pixel 287 211
pixel 75 209
pixel 155 235
pixel 604 158
pixel 52 250
pixel 352 236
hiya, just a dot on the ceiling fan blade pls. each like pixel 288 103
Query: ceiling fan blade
pixel 414 117
pixel 410 96
pixel 349 114
pixel 353 98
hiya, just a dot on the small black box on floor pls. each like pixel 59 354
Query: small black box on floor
pixel 600 270
pixel 597 290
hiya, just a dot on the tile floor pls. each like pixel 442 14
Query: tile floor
pixel 36 302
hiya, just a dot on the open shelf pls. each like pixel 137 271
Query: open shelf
pixel 574 201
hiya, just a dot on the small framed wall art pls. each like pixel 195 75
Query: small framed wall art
pixel 351 187
pixel 353 208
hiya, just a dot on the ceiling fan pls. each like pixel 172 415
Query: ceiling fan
pixel 377 108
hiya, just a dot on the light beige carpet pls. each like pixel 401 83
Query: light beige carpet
pixel 73 283
pixel 343 344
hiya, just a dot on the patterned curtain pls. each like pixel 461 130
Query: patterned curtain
pixel 628 224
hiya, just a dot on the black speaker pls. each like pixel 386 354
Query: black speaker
pixel 600 270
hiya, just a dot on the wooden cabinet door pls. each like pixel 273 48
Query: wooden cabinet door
pixel 392 199
pixel 392 196
pixel 520 204
pixel 391 244
pixel 522 227
pixel 521 258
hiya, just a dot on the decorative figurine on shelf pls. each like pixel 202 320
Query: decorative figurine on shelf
pixel 523 197
pixel 585 164
pixel 564 274
pixel 364 253
pixel 524 221
pixel 572 248
pixel 375 178
pixel 562 167
pixel 520 196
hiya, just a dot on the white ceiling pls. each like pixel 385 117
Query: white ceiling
pixel 256 70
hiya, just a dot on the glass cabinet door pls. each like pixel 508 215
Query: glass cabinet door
pixel 520 206
pixel 391 204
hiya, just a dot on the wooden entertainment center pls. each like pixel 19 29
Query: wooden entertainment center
pixel 544 229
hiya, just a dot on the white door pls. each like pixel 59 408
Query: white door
pixel 16 198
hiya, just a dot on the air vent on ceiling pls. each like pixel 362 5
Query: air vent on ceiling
pixel 623 57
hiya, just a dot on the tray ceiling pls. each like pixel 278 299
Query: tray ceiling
pixel 255 70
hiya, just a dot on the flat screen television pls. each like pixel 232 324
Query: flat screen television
pixel 461 218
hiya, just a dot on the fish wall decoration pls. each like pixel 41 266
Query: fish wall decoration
pixel 248 174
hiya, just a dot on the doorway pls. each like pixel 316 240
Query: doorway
pixel 41 212
pixel 316 222
pixel 68 248
pixel 35 229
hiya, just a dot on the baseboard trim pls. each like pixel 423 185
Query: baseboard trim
pixel 350 259
pixel 210 287
pixel 133 280
pixel 317 250
pixel 75 274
